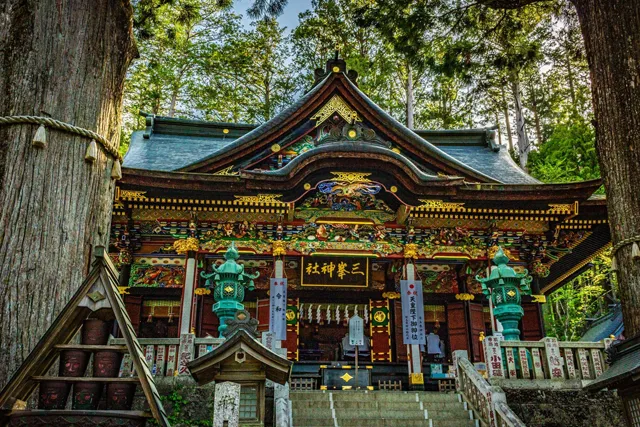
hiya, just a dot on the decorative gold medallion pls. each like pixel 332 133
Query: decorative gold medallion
pixel 275 148
pixel 393 189
pixel 307 186
pixel 228 289
pixel 380 316
pixel 291 315
pixel 352 133
pixel 225 131
pixel 346 377
pixel 511 293
pixel 336 69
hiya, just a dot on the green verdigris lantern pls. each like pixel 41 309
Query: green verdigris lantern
pixel 504 286
pixel 228 282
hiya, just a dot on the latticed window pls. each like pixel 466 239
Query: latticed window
pixel 633 409
pixel 249 402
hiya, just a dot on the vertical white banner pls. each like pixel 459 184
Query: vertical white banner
pixel 356 331
pixel 278 308
pixel 412 312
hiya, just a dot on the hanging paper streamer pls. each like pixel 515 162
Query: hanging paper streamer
pixel 310 313
pixel 355 310
pixel 337 314
pixel 328 315
pixel 366 314
pixel 318 314
pixel 301 310
pixel 346 313
pixel 278 308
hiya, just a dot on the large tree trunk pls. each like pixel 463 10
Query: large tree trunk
pixel 65 59
pixel 409 97
pixel 507 120
pixel 521 131
pixel 611 31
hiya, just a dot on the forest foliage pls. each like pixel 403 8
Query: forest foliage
pixel 438 67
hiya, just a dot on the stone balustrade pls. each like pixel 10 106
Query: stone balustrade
pixel 547 359
pixel 487 401
pixel 163 354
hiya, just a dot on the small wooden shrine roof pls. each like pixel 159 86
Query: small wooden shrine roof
pixel 98 291
pixel 211 367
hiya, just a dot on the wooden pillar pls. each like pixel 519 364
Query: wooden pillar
pixel 187 293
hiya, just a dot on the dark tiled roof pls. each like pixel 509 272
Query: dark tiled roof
pixel 625 365
pixel 605 326
pixel 167 152
pixel 497 164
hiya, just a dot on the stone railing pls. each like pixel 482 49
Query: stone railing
pixel 547 359
pixel 163 354
pixel 487 401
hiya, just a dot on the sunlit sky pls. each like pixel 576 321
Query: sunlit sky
pixel 288 19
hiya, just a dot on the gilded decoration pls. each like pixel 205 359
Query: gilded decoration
pixel 279 248
pixel 411 251
pixel 202 291
pixel 391 295
pixel 350 195
pixel 228 171
pixel 563 208
pixel 336 105
pixel 190 244
pixel 491 252
pixel 132 195
pixel 156 276
pixel 260 198
pixel 439 204
pixel 351 177
pixel 465 297
pixel 324 237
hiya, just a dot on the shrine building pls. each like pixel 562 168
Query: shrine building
pixel 351 201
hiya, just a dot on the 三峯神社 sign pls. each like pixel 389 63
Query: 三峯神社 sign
pixel 335 271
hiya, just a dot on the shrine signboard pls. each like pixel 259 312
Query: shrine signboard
pixel 412 312
pixel 335 272
pixel 278 308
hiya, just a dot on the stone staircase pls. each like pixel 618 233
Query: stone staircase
pixel 379 408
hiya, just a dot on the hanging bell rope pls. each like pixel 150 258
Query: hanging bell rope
pixel 635 250
pixel 40 138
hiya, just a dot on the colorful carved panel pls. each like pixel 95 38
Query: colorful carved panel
pixel 380 330
pixel 157 276
pixel 347 198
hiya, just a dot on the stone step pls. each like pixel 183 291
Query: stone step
pixel 328 422
pixel 377 404
pixel 391 414
pixel 373 395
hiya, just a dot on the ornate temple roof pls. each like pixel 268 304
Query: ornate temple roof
pixel 180 145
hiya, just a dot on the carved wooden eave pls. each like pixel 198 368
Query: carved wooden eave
pixel 293 123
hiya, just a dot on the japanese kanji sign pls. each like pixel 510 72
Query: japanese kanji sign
pixel 278 308
pixel 412 312
pixel 335 271
pixel 356 331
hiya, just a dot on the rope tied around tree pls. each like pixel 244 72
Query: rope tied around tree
pixel 40 138
pixel 635 250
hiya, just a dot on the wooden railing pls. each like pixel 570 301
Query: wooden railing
pixel 488 402
pixel 162 354
pixel 545 359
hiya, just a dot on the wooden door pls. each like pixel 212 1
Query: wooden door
pixel 476 316
pixel 458 329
